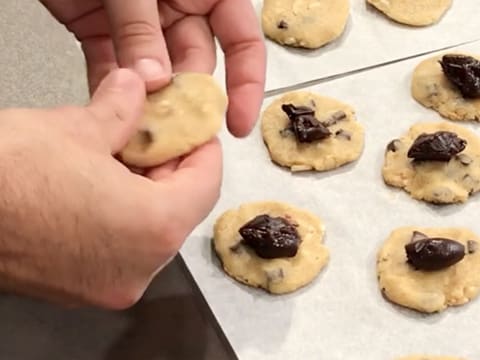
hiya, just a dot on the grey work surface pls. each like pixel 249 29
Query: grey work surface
pixel 41 66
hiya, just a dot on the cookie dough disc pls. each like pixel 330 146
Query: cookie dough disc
pixel 428 291
pixel 323 155
pixel 434 181
pixel 304 23
pixel 431 88
pixel 427 357
pixel 413 12
pixel 182 116
pixel 277 276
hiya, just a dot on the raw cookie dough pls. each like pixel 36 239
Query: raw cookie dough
pixel 427 357
pixel 277 276
pixel 431 88
pixel 435 181
pixel 323 155
pixel 304 23
pixel 182 116
pixel 413 12
pixel 428 291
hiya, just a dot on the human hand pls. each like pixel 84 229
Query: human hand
pixel 77 226
pixel 158 37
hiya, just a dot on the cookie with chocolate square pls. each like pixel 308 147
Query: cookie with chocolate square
pixel 429 269
pixel 437 162
pixel 270 245
pixel 305 131
pixel 450 85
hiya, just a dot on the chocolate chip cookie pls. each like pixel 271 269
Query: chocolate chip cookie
pixel 413 12
pixel 182 116
pixel 450 85
pixel 437 162
pixel 430 269
pixel 305 131
pixel 271 245
pixel 304 23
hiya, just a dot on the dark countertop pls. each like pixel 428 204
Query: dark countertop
pixel 42 66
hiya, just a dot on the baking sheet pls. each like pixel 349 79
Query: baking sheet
pixel 341 315
pixel 370 39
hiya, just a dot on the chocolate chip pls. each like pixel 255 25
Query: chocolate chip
pixel 306 127
pixel 146 138
pixel 463 72
pixel 271 237
pixel 439 146
pixel 464 159
pixel 282 25
pixel 313 103
pixel 393 145
pixel 417 235
pixel 344 134
pixel 334 118
pixel 294 112
pixel 434 253
pixel 472 246
pixel 237 248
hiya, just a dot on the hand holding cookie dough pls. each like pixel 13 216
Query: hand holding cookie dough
pixel 157 38
pixel 78 227
pixel 87 229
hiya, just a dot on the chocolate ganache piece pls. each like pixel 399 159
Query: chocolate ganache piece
pixel 306 127
pixel 271 237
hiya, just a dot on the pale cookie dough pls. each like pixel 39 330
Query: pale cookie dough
pixel 435 181
pixel 428 291
pixel 431 88
pixel 182 116
pixel 304 23
pixel 427 357
pixel 323 155
pixel 277 276
pixel 413 12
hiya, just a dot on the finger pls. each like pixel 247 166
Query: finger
pixel 100 58
pixel 191 45
pixel 117 106
pixel 138 39
pixel 195 186
pixel 245 57
pixel 164 170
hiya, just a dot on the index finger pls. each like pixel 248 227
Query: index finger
pixel 235 24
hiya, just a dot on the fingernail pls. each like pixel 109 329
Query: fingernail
pixel 149 69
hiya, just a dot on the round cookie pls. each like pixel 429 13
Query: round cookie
pixel 304 23
pixel 428 357
pixel 182 116
pixel 413 12
pixel 428 291
pixel 344 146
pixel 431 88
pixel 276 276
pixel 434 181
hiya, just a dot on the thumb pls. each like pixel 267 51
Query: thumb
pixel 117 105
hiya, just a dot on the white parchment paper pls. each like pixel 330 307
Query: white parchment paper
pixel 341 315
pixel 369 39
